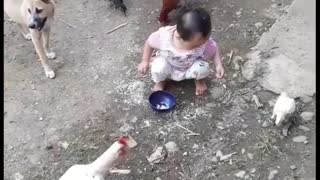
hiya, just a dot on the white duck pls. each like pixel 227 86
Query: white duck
pixel 283 106
pixel 97 169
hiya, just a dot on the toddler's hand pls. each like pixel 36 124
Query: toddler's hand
pixel 219 71
pixel 143 67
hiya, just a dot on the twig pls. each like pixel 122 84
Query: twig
pixel 230 57
pixel 256 100
pixel 191 132
pixel 68 23
pixel 119 171
pixel 118 27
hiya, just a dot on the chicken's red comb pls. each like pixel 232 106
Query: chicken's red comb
pixel 127 141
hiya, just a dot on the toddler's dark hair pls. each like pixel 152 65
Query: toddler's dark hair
pixel 191 21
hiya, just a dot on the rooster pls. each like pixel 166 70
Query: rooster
pixel 167 7
pixel 283 106
pixel 97 169
pixel 118 4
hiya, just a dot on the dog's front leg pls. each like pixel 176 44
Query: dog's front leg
pixel 38 44
pixel 50 54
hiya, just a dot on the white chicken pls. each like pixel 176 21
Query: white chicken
pixel 283 106
pixel 97 169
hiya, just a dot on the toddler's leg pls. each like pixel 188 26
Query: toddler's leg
pixel 198 71
pixel 160 71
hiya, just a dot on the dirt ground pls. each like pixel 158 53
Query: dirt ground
pixel 98 96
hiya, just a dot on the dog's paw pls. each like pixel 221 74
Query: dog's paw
pixel 27 36
pixel 51 55
pixel 50 73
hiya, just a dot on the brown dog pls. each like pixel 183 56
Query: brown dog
pixel 34 18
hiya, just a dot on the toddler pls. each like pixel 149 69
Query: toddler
pixel 183 51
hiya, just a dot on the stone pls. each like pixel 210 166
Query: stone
pixel 307 116
pixel 258 25
pixel 211 105
pixel 195 146
pixel 306 99
pixel 243 151
pixel 217 92
pixel 250 156
pixel 293 167
pixel 266 124
pixel 18 176
pixel 272 174
pixel 65 145
pixel 158 155
pixel 299 139
pixel 171 147
pixel 304 128
pixel 253 170
pixel 240 174
pixel 125 128
pixel 238 13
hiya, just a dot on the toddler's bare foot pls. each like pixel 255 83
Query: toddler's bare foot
pixel 159 86
pixel 201 87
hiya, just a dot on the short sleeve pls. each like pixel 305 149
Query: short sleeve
pixel 211 49
pixel 154 40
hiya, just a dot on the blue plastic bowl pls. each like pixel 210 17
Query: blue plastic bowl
pixel 162 101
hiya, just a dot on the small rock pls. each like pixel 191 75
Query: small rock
pixel 244 126
pixel 214 159
pixel 250 156
pixel 40 118
pixel 217 92
pixel 211 105
pixel 293 167
pixel 304 128
pixel 306 99
pixel 18 176
pixel 243 151
pixel 195 146
pixel 253 170
pixel 134 120
pixel 96 77
pixel 10 147
pixel 258 25
pixel 157 178
pixel 300 139
pixel 246 177
pixel 307 116
pixel 219 153
pixel 171 147
pixel 48 146
pixel 240 174
pixel 238 13
pixel 254 12
pixel 33 87
pixel 65 145
pixel 272 174
pixel 149 22
pixel 266 124
pixel 185 153
pixel 158 155
pixel 125 128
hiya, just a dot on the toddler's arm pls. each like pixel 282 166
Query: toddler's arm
pixel 152 43
pixel 213 52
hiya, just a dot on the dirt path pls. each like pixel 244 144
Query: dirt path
pixel 98 95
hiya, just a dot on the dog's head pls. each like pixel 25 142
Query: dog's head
pixel 37 12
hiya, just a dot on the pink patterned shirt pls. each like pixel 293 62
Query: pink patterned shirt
pixel 181 59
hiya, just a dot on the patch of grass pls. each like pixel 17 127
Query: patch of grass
pixel 266 143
